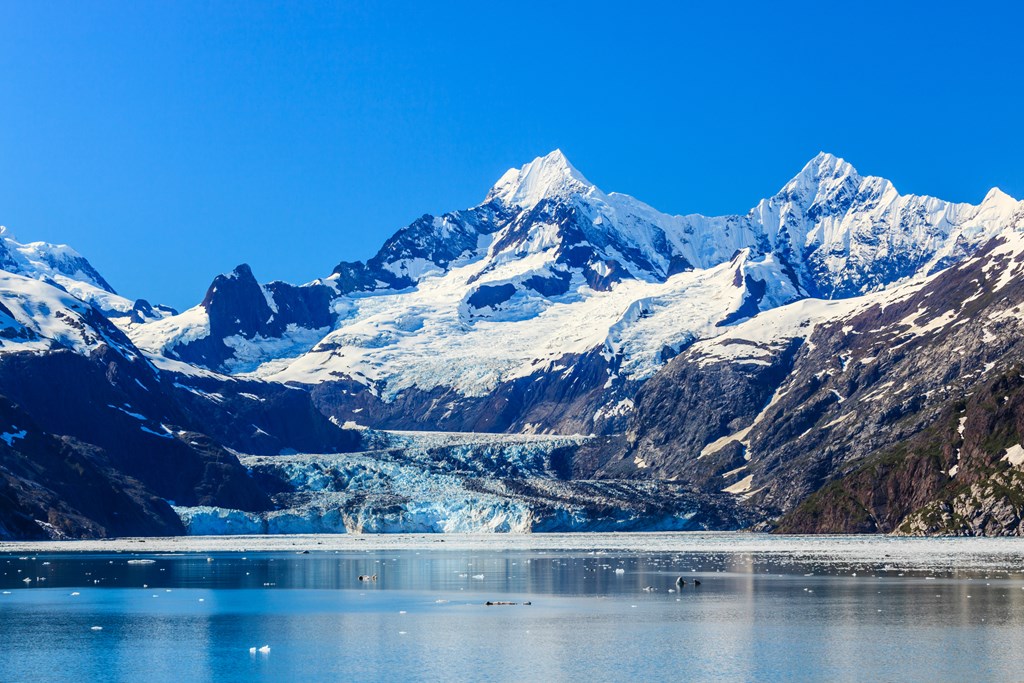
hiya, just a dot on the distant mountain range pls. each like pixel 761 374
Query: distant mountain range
pixel 841 358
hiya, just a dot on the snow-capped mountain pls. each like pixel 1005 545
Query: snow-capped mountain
pixel 62 266
pixel 895 411
pixel 840 358
pixel 552 292
pixel 96 436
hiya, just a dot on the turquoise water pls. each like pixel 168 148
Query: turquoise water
pixel 195 617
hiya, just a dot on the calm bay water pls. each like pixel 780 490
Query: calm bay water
pixel 755 616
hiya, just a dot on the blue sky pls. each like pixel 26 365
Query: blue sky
pixel 169 142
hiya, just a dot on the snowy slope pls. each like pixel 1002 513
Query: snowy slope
pixel 430 337
pixel 64 267
pixel 37 316
pixel 907 401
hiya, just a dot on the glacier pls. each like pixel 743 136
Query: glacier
pixel 451 483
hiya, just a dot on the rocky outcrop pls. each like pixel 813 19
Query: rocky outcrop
pixel 992 507
pixel 961 476
pixel 691 416
pixel 240 313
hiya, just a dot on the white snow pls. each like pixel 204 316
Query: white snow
pixel 1014 455
pixel 127 411
pixel 251 353
pixel 43 317
pixel 741 486
pixel 60 264
pixel 159 337
pixel 548 176
pixel 722 442
pixel 636 319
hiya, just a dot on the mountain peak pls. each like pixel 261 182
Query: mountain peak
pixel 543 178
pixel 998 197
pixel 825 165
pixel 822 176
pixel 242 270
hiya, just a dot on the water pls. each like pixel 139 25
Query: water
pixel 780 614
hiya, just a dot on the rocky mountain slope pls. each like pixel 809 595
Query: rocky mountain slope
pixel 887 409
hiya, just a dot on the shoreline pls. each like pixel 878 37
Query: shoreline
pixel 1004 553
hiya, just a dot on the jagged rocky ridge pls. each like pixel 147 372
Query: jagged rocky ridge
pixel 552 293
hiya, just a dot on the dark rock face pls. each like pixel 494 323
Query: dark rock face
pixel 72 488
pixel 566 402
pixel 895 368
pixel 490 296
pixel 238 306
pixel 908 489
pixel 140 429
pixel 261 418
pixel 438 240
pixel 690 404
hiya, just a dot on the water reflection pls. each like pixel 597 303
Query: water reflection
pixel 601 615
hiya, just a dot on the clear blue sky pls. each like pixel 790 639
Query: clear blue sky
pixel 170 141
